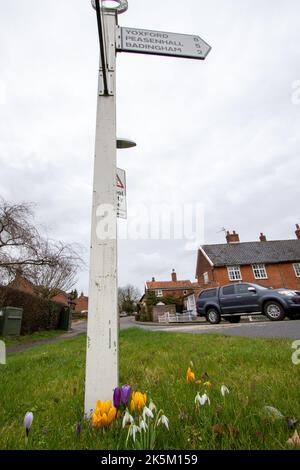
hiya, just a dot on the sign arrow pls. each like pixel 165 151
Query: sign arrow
pixel 146 41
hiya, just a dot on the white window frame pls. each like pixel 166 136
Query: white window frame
pixel 206 278
pixel 297 269
pixel 234 273
pixel 159 293
pixel 259 271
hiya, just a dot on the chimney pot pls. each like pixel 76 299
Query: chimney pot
pixel 263 237
pixel 297 231
pixel 153 279
pixel 174 276
pixel 232 237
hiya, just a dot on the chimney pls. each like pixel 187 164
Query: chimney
pixel 297 231
pixel 153 279
pixel 232 237
pixel 174 276
pixel 263 237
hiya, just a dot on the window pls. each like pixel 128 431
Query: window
pixel 208 293
pixel 159 293
pixel 228 290
pixel 242 288
pixel 206 278
pixel 234 273
pixel 297 269
pixel 259 271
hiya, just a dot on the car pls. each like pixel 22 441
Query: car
pixel 235 300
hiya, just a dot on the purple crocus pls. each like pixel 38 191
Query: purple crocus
pixel 117 397
pixel 125 394
pixel 78 429
pixel 28 422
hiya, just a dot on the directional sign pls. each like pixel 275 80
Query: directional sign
pixel 121 194
pixel 161 43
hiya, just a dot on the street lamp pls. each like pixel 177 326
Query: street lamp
pixel 125 143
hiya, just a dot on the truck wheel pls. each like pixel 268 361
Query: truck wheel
pixel 213 316
pixel 234 319
pixel 274 311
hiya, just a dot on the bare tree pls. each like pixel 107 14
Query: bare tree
pixel 49 265
pixel 128 297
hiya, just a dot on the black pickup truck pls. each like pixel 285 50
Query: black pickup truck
pixel 234 300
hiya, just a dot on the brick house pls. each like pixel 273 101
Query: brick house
pixel 270 263
pixel 183 293
pixel 173 288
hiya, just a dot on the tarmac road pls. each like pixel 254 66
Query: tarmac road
pixel 265 329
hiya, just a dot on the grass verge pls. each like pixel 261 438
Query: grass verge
pixel 28 339
pixel 49 381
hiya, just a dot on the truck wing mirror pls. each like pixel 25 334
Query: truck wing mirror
pixel 252 289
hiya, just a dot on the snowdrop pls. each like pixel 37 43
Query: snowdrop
pixel 163 420
pixel 147 413
pixel 127 419
pixel 202 399
pixel 224 390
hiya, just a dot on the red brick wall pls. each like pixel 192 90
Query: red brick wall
pixel 161 310
pixel 279 275
pixel 81 304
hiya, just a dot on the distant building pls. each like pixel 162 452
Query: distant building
pixel 22 284
pixel 270 263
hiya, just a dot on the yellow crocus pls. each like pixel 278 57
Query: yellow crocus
pixel 138 401
pixel 190 376
pixel 207 384
pixel 104 414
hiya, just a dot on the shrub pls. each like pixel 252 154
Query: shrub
pixel 38 314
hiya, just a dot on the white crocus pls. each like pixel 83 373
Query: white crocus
pixel 224 390
pixel 147 412
pixel 163 420
pixel 202 399
pixel 127 419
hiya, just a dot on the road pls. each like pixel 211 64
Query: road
pixel 265 329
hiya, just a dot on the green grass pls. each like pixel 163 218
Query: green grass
pixel 49 381
pixel 28 339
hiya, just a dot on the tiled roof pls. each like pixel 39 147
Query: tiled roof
pixel 279 251
pixel 169 285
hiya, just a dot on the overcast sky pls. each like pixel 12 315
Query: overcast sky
pixel 224 133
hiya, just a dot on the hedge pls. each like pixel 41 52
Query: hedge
pixel 38 314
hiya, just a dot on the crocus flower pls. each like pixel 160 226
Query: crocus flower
pixel 207 384
pixel 163 420
pixel 28 422
pixel 104 414
pixel 190 376
pixel 117 397
pixel 78 429
pixel 224 390
pixel 125 394
pixel 138 401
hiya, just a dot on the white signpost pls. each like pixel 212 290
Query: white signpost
pixel 161 43
pixel 102 365
pixel 121 194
